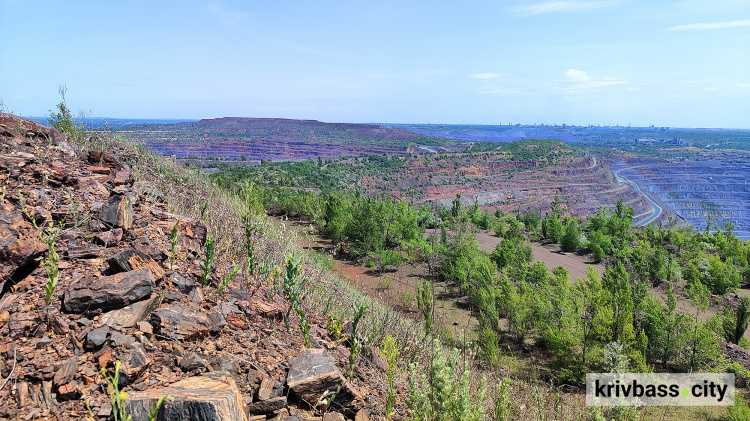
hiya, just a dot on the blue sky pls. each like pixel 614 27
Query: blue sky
pixel 679 63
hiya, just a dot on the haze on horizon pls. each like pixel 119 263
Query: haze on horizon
pixel 609 62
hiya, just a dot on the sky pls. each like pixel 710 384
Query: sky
pixel 679 63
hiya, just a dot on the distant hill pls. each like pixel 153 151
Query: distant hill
pixel 277 139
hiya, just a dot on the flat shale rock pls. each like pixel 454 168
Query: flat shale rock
pixel 117 212
pixel 132 259
pixel 134 361
pixel 182 283
pixel 268 406
pixel 178 321
pixel 313 375
pixel 65 372
pixel 129 316
pixel 19 242
pixel 109 292
pixel 109 238
pixel 96 338
pixel 205 398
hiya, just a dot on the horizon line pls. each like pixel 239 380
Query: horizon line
pixel 500 124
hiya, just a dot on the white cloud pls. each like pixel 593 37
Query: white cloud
pixel 579 80
pixel 484 76
pixel 500 91
pixel 577 76
pixel 562 6
pixel 745 85
pixel 708 26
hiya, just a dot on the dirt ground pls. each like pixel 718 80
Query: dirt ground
pixel 577 266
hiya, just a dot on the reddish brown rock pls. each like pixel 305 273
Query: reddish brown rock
pixel 66 371
pixel 313 375
pixel 132 259
pixel 128 316
pixel 266 389
pixel 69 391
pixel 122 176
pixel 134 361
pixel 99 169
pixel 117 212
pixel 207 398
pixel 109 238
pixel 19 245
pixel 108 293
pixel 267 406
pixel 179 321
pixel 362 416
pixel 333 416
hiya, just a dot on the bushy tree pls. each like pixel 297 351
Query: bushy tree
pixel 571 238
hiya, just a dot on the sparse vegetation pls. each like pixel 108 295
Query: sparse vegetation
pixel 355 341
pixel 62 118
pixel 389 348
pixel 207 266
pixel 425 303
pixel 335 327
pixel 445 392
pixel 153 413
pixel 228 279
pixel 293 292
pixel 173 236
pixel 117 397
pixel 51 262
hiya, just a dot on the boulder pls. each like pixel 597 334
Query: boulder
pixel 19 245
pixel 117 212
pixel 313 376
pixel 205 398
pixel 109 292
pixel 178 321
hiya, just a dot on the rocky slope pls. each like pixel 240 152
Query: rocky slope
pixel 122 301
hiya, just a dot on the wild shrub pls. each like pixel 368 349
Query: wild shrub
pixel 249 250
pixel 207 266
pixel 742 315
pixel 117 397
pixel 153 413
pixel 228 279
pixel 389 348
pixel 571 239
pixel 425 303
pixel 51 261
pixel 355 342
pixel 502 403
pixel 51 266
pixel 173 235
pixel 445 393
pixel 293 291
pixel 489 345
pixel 62 118
pixel 385 283
pixel 335 327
